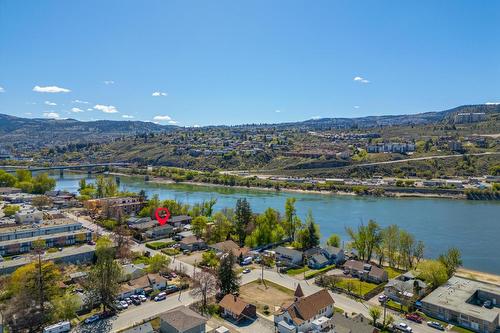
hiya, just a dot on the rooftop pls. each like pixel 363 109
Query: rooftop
pixel 44 224
pixel 455 295
pixel 182 318
pixel 49 236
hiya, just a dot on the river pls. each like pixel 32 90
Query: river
pixel 472 226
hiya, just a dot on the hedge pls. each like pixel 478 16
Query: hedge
pixel 156 245
pixel 319 271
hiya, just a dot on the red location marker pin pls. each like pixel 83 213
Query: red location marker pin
pixel 162 215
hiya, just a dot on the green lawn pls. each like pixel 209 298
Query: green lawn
pixel 297 271
pixel 393 272
pixel 396 306
pixel 360 288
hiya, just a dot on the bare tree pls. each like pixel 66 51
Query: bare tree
pixel 205 284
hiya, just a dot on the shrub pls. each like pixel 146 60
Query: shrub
pixel 319 271
pixel 156 245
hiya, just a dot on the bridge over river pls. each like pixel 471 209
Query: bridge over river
pixel 61 168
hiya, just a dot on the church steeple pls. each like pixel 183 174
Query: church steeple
pixel 298 292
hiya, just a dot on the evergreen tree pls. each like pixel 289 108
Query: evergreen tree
pixel 227 277
pixel 243 215
pixel 313 231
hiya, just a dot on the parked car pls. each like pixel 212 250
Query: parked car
pixel 403 327
pixel 177 238
pixel 436 325
pixel 143 298
pixel 171 289
pixel 128 300
pixel 488 304
pixel 136 301
pixel 246 271
pixel 414 317
pixel 92 319
pixel 107 314
pixel 173 275
pixel 160 297
pixel 382 298
pixel 61 327
pixel 124 304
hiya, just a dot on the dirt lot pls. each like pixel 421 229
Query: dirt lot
pixel 191 258
pixel 273 296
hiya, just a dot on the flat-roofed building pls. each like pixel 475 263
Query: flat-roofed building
pixel 467 303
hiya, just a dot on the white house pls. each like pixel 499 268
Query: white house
pixel 302 314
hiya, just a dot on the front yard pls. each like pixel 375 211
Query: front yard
pixel 266 295
pixel 356 286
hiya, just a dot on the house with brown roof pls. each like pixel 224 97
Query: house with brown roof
pixel 299 315
pixel 366 271
pixel 182 320
pixel 229 245
pixel 235 308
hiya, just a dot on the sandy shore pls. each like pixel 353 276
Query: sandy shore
pixel 479 276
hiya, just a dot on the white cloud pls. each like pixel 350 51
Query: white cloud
pixel 360 79
pixel 162 118
pixel 277 111
pixel 2 89
pixel 28 113
pixel 127 116
pixel 106 108
pixel 52 115
pixel 492 103
pixel 173 122
pixel 50 103
pixel 79 101
pixel 50 89
pixel 90 109
pixel 316 117
pixel 76 110
pixel 158 94
pixel 196 126
pixel 108 82
pixel 356 106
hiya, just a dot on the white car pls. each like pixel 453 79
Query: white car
pixel 246 271
pixel 143 298
pixel 403 327
pixel 124 304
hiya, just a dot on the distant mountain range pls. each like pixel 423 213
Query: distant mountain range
pixel 46 132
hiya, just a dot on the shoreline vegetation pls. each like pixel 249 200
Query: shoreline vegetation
pixel 189 177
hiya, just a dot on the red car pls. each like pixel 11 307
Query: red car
pixel 414 317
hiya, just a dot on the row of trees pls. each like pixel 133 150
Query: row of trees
pixel 395 246
pixel 39 184
pixel 241 224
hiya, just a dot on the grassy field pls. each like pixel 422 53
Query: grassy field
pixel 297 271
pixel 393 272
pixel 360 288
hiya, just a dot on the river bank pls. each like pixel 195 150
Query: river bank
pixel 367 192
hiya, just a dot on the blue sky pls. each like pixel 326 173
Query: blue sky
pixel 233 62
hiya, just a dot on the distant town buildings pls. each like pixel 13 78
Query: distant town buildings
pixel 401 148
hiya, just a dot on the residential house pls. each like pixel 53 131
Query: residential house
pixel 160 231
pixel 405 286
pixel 323 257
pixel 180 220
pixel 235 308
pixel 132 271
pixel 192 243
pixel 144 328
pixel 115 206
pixel 229 245
pixel 366 271
pixel 299 315
pixel 342 323
pixel 144 284
pixel 288 257
pixel 334 254
pixel 182 320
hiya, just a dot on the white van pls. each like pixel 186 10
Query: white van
pixel 160 297
pixel 63 326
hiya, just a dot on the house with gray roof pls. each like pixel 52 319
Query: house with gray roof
pixel 405 287
pixel 182 320
pixel 288 256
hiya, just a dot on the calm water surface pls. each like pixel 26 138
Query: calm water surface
pixel 472 226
